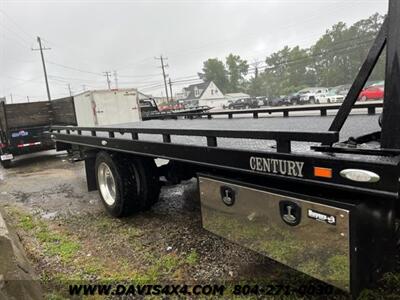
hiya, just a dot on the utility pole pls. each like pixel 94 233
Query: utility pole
pixel 108 75
pixel 116 79
pixel 256 64
pixel 27 97
pixel 44 65
pixel 163 66
pixel 69 89
pixel 170 89
pixel 11 98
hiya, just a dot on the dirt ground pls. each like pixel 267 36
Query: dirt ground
pixel 69 238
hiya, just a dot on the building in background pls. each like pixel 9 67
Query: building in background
pixel 203 94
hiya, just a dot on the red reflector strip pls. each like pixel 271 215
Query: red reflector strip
pixel 29 144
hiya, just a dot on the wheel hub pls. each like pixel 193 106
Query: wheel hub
pixel 106 183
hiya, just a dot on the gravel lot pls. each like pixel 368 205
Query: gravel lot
pixel 45 195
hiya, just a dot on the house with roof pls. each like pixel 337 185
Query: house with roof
pixel 203 94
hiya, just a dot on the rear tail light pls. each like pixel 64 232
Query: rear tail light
pixel 2 145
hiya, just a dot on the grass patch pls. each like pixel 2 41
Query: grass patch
pixel 53 242
pixel 192 258
pixel 54 296
pixel 26 222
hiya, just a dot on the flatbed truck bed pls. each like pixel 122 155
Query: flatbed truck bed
pixel 328 197
pixel 273 170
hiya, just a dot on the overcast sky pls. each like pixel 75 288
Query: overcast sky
pixel 88 38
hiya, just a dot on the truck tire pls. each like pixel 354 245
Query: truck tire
pixel 6 164
pixel 126 184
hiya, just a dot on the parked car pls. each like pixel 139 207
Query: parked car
pixel 245 103
pixel 310 95
pixel 294 98
pixel 280 101
pixel 372 93
pixel 226 106
pixel 261 100
pixel 334 95
pixel 266 101
pixel 377 83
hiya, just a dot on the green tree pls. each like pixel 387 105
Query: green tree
pixel 334 59
pixel 365 31
pixel 255 86
pixel 214 70
pixel 340 52
pixel 287 71
pixel 237 70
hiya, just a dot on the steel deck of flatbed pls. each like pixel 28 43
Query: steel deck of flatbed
pixel 356 125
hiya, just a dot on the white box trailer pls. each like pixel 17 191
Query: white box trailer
pixel 107 107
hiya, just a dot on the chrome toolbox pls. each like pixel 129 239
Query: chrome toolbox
pixel 324 240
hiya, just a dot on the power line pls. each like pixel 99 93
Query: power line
pixel 29 35
pixel 74 69
pixel 333 49
pixel 67 79
pixel 16 35
pixel 140 76
pixel 336 51
pixel 187 80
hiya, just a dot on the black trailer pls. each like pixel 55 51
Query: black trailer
pixel 24 126
pixel 332 205
pixel 151 111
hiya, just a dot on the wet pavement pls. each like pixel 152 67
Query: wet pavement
pixel 53 190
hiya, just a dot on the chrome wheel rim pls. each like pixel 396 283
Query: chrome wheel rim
pixel 106 183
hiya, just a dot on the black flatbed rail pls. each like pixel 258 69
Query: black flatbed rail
pixel 285 110
pixel 210 155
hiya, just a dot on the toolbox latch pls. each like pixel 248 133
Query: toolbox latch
pixel 290 212
pixel 227 195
